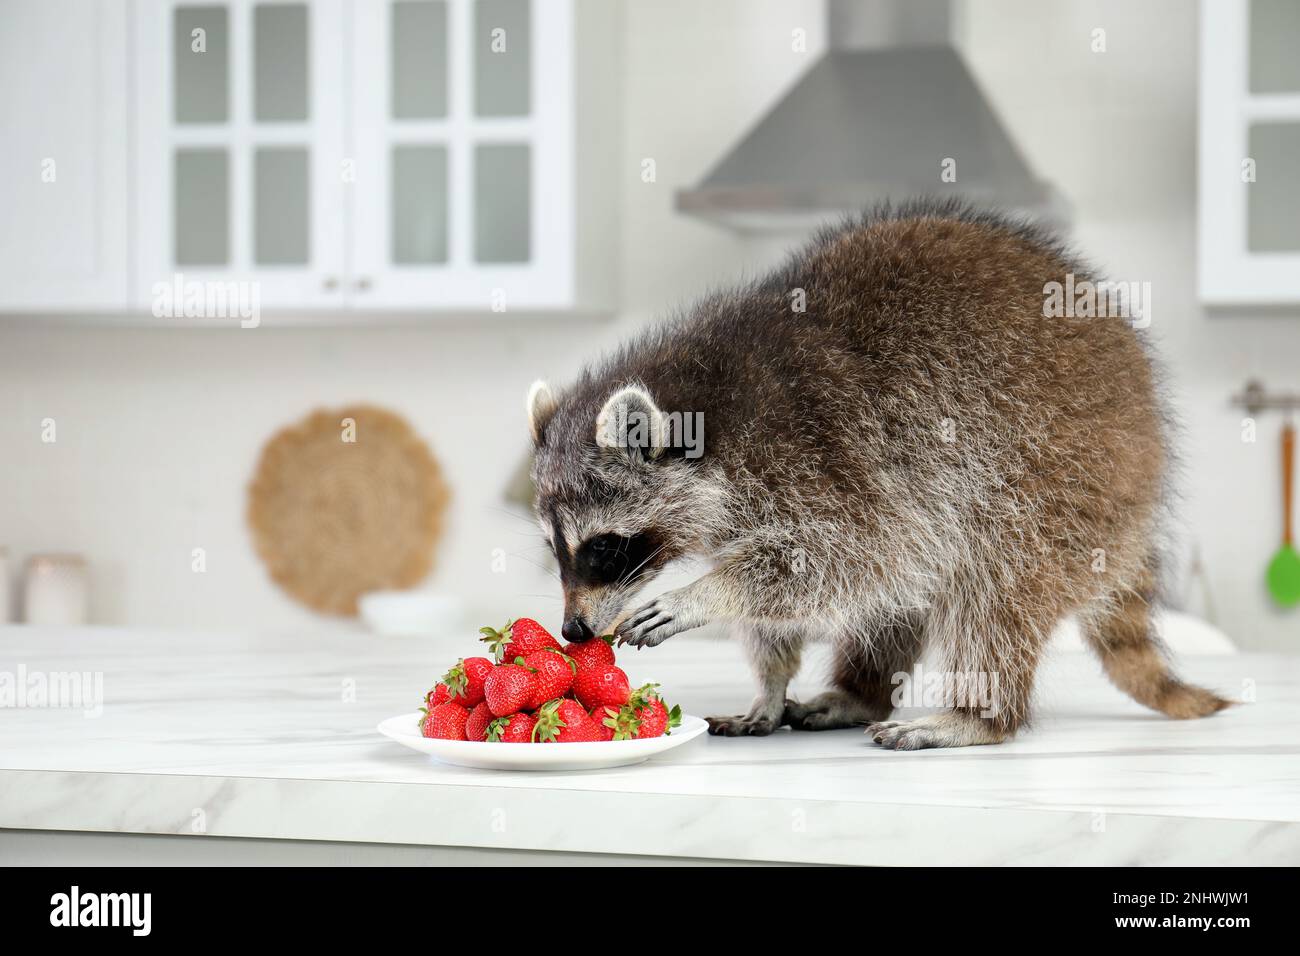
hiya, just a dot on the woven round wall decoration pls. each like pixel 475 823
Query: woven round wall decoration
pixel 346 502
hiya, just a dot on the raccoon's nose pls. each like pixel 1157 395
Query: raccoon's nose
pixel 576 631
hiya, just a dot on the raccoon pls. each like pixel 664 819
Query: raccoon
pixel 900 453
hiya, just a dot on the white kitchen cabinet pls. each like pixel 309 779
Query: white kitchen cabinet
pixel 463 137
pixel 1249 211
pixel 240 133
pixel 63 169
pixel 410 155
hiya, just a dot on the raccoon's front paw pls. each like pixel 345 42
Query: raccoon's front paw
pixel 654 623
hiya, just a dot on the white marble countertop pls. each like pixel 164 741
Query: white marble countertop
pixel 273 736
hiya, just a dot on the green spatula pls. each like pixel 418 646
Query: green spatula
pixel 1284 569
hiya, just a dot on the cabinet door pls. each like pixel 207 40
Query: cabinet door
pixel 462 124
pixel 63 176
pixel 1250 152
pixel 240 163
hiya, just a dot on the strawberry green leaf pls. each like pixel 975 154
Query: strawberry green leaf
pixel 457 680
pixel 496 729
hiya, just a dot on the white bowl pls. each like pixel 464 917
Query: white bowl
pixel 585 756
pixel 410 613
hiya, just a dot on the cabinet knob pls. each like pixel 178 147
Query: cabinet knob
pixel 331 283
pixel 363 284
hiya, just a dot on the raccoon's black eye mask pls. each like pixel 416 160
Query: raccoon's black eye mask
pixel 609 558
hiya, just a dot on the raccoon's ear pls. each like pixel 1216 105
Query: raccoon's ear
pixel 541 406
pixel 631 424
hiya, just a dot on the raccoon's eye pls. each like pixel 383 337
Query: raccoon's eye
pixel 604 559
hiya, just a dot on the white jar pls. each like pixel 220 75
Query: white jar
pixel 55 590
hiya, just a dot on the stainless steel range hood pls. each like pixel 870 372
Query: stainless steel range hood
pixel 875 118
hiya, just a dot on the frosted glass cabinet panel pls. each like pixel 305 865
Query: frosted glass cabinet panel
pixel 1273 207
pixel 502 200
pixel 419 189
pixel 280 65
pixel 1274 63
pixel 201 206
pixel 201 58
pixel 502 57
pixel 418 44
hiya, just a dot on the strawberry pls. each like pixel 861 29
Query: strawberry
pixel 564 722
pixel 652 715
pixel 465 680
pixel 553 676
pixel 601 684
pixel 445 722
pixel 476 727
pixel 438 694
pixel 509 688
pixel 512 729
pixel 606 721
pixel 598 650
pixel 618 723
pixel 517 639
pixel 656 719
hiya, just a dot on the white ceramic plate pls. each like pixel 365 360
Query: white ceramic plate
pixel 586 756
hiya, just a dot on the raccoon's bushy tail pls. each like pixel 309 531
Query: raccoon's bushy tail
pixel 1121 632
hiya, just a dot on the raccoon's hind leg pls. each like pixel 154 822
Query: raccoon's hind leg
pixel 774 655
pixel 990 644
pixel 863 675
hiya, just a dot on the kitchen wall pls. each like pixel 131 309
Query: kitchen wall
pixel 158 430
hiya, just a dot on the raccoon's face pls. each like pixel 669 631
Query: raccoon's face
pixel 614 515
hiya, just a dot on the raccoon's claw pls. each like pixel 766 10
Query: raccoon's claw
pixel 651 625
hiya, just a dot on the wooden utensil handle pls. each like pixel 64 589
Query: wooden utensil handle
pixel 1288 480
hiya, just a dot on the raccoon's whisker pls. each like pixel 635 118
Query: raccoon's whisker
pixel 541 567
pixel 649 557
pixel 529 521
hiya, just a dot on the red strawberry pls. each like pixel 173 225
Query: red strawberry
pixel 586 733
pixel 508 689
pixel 513 729
pixel 445 722
pixel 653 718
pixel 564 722
pixel 476 727
pixel 465 680
pixel 438 694
pixel 553 676
pixel 603 684
pixel 656 719
pixel 598 650
pixel 517 639
pixel 599 716
pixel 622 723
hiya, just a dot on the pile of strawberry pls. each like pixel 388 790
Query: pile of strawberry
pixel 533 690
